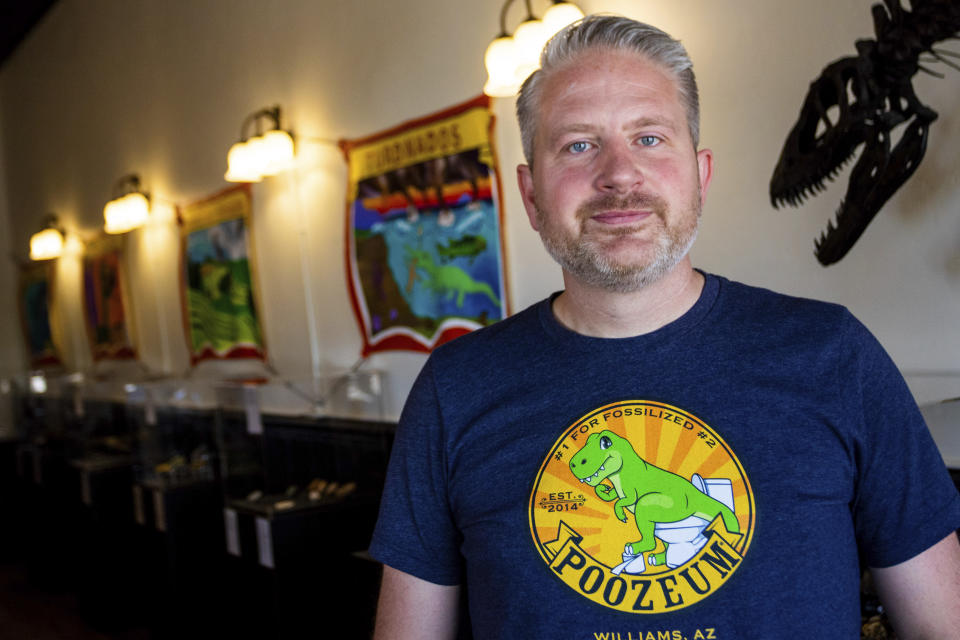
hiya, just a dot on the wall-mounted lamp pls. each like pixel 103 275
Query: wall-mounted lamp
pixel 510 59
pixel 47 243
pixel 264 154
pixel 129 208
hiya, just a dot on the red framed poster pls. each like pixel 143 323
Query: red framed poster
pixel 424 232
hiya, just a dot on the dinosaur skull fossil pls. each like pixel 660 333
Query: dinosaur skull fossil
pixel 866 102
pixel 852 106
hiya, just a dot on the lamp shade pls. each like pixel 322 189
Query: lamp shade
pixel 260 156
pixel 46 244
pixel 256 157
pixel 529 38
pixel 560 15
pixel 276 149
pixel 126 213
pixel 500 61
pixel 241 164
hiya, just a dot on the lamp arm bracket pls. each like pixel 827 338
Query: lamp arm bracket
pixel 529 10
pixel 503 19
pixel 273 113
pixel 130 183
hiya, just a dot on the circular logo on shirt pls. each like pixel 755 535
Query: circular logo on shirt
pixel 641 507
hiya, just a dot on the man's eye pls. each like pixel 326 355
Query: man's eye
pixel 579 147
pixel 649 141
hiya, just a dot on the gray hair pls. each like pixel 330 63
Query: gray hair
pixel 615 33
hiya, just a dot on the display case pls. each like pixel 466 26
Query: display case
pixel 177 503
pixel 104 456
pixel 175 433
pixel 41 421
pixel 11 440
pixel 49 489
pixel 301 492
pixel 100 538
pixel 9 429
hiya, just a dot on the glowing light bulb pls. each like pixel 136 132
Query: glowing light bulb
pixel 257 156
pixel 278 153
pixel 46 245
pixel 529 37
pixel 501 63
pixel 126 213
pixel 240 164
pixel 560 15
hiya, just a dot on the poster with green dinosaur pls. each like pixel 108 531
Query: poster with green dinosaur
pixel 219 295
pixel 424 230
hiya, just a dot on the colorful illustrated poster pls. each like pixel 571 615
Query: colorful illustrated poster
pixel 105 300
pixel 424 249
pixel 36 293
pixel 220 300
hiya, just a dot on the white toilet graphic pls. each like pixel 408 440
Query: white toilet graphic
pixel 685 537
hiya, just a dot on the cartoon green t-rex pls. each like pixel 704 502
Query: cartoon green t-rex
pixel 453 280
pixel 654 495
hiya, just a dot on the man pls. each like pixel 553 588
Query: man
pixel 655 451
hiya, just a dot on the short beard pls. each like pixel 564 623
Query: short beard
pixel 583 257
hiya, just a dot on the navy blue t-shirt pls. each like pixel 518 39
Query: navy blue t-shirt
pixel 716 478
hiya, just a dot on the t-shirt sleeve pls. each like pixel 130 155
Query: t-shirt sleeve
pixel 415 532
pixel 905 499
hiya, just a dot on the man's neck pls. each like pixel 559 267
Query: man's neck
pixel 604 314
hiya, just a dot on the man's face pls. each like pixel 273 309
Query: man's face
pixel 616 188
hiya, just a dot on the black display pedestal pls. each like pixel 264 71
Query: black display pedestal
pixel 105 543
pixel 295 572
pixel 181 557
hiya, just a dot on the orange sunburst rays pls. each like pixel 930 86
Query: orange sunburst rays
pixel 662 436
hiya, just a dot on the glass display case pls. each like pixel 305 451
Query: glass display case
pixel 47 442
pixel 303 466
pixel 95 414
pixel 10 442
pixel 355 394
pixel 285 446
pixel 9 429
pixel 174 423
pixel 177 502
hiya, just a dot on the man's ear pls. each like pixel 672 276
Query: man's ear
pixel 705 166
pixel 525 182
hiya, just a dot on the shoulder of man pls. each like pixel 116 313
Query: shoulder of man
pixel 750 299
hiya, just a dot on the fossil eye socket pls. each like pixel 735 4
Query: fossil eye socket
pixel 605 442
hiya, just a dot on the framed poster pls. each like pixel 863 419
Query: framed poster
pixel 220 301
pixel 35 297
pixel 424 247
pixel 106 300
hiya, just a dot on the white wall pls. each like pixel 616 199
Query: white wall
pixel 102 88
pixel 11 352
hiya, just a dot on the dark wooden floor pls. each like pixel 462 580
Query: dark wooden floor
pixel 29 611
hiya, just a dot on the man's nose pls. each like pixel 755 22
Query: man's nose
pixel 619 169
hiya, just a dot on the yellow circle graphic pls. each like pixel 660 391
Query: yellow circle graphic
pixel 641 507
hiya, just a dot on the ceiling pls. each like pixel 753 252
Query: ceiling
pixel 17 18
